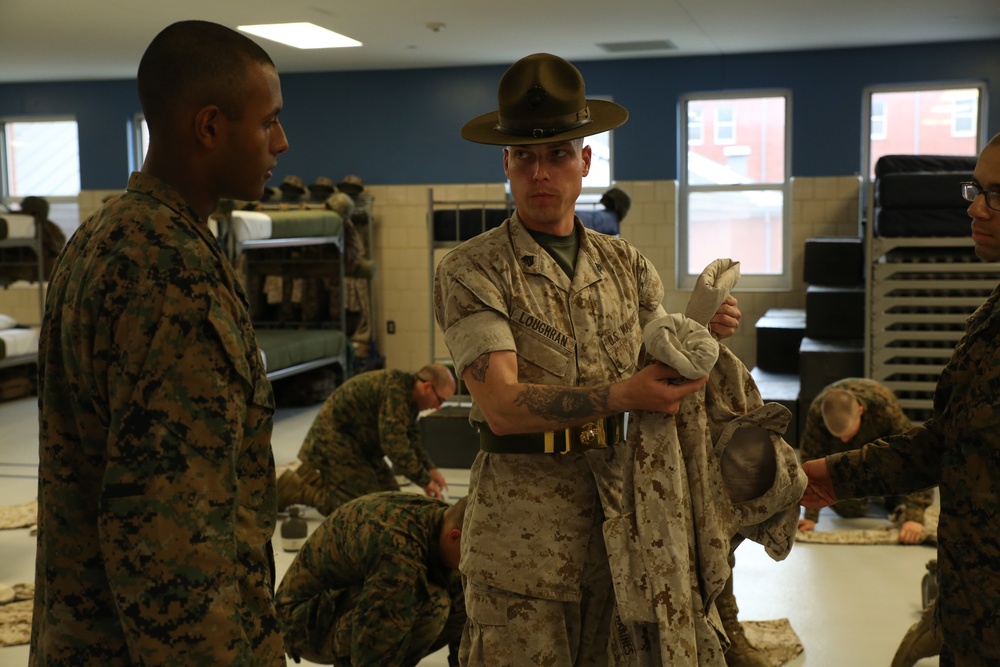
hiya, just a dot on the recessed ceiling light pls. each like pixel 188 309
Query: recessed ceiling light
pixel 649 45
pixel 300 35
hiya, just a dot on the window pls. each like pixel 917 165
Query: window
pixel 963 115
pixel 140 140
pixel 41 157
pixel 732 199
pixel 922 121
pixel 725 124
pixel 599 177
pixel 878 120
pixel 696 127
pixel 601 174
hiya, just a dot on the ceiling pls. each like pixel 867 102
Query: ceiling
pixel 60 40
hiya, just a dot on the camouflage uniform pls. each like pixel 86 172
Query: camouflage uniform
pixel 369 417
pixel 533 524
pixel 959 450
pixel 369 588
pixel 882 416
pixel 156 498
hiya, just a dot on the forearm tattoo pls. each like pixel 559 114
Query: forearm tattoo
pixel 564 404
pixel 479 367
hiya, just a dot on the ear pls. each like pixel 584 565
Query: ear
pixel 587 155
pixel 207 125
pixel 454 535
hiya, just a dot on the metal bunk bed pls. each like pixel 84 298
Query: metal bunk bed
pixel 316 251
pixel 22 246
pixel 923 277
pixel 449 223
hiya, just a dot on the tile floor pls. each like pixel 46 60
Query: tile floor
pixel 850 605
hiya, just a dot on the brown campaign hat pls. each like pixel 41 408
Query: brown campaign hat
pixel 541 99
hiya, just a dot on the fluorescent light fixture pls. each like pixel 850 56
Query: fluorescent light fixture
pixel 300 35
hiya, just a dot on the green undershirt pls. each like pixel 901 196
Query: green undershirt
pixel 563 249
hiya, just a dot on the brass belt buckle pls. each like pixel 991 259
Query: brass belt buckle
pixel 594 434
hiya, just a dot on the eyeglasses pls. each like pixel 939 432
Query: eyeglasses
pixel 440 398
pixel 971 190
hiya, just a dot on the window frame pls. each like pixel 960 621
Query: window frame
pixel 756 282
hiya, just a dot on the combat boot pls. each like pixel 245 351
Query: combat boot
pixel 922 640
pixel 741 652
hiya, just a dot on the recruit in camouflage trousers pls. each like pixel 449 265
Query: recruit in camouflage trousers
pixel 958 448
pixel 882 416
pixel 534 521
pixel 369 417
pixel 368 588
pixel 156 498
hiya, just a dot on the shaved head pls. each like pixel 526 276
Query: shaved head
pixel 195 64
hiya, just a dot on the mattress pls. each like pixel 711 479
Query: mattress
pixel 920 196
pixel 16 226
pixel 921 222
pixel 18 341
pixel 257 225
pixel 285 348
pixel 891 164
pixel 922 189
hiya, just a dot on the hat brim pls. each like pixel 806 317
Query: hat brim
pixel 604 116
pixel 350 188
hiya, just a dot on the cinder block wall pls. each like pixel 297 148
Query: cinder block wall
pixel 820 207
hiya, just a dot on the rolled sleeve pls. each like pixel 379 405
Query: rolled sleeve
pixel 478 334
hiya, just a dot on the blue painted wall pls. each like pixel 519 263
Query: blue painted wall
pixel 401 126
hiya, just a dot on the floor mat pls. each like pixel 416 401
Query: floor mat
pixel 887 535
pixel 853 536
pixel 16 603
pixel 775 638
pixel 19 516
